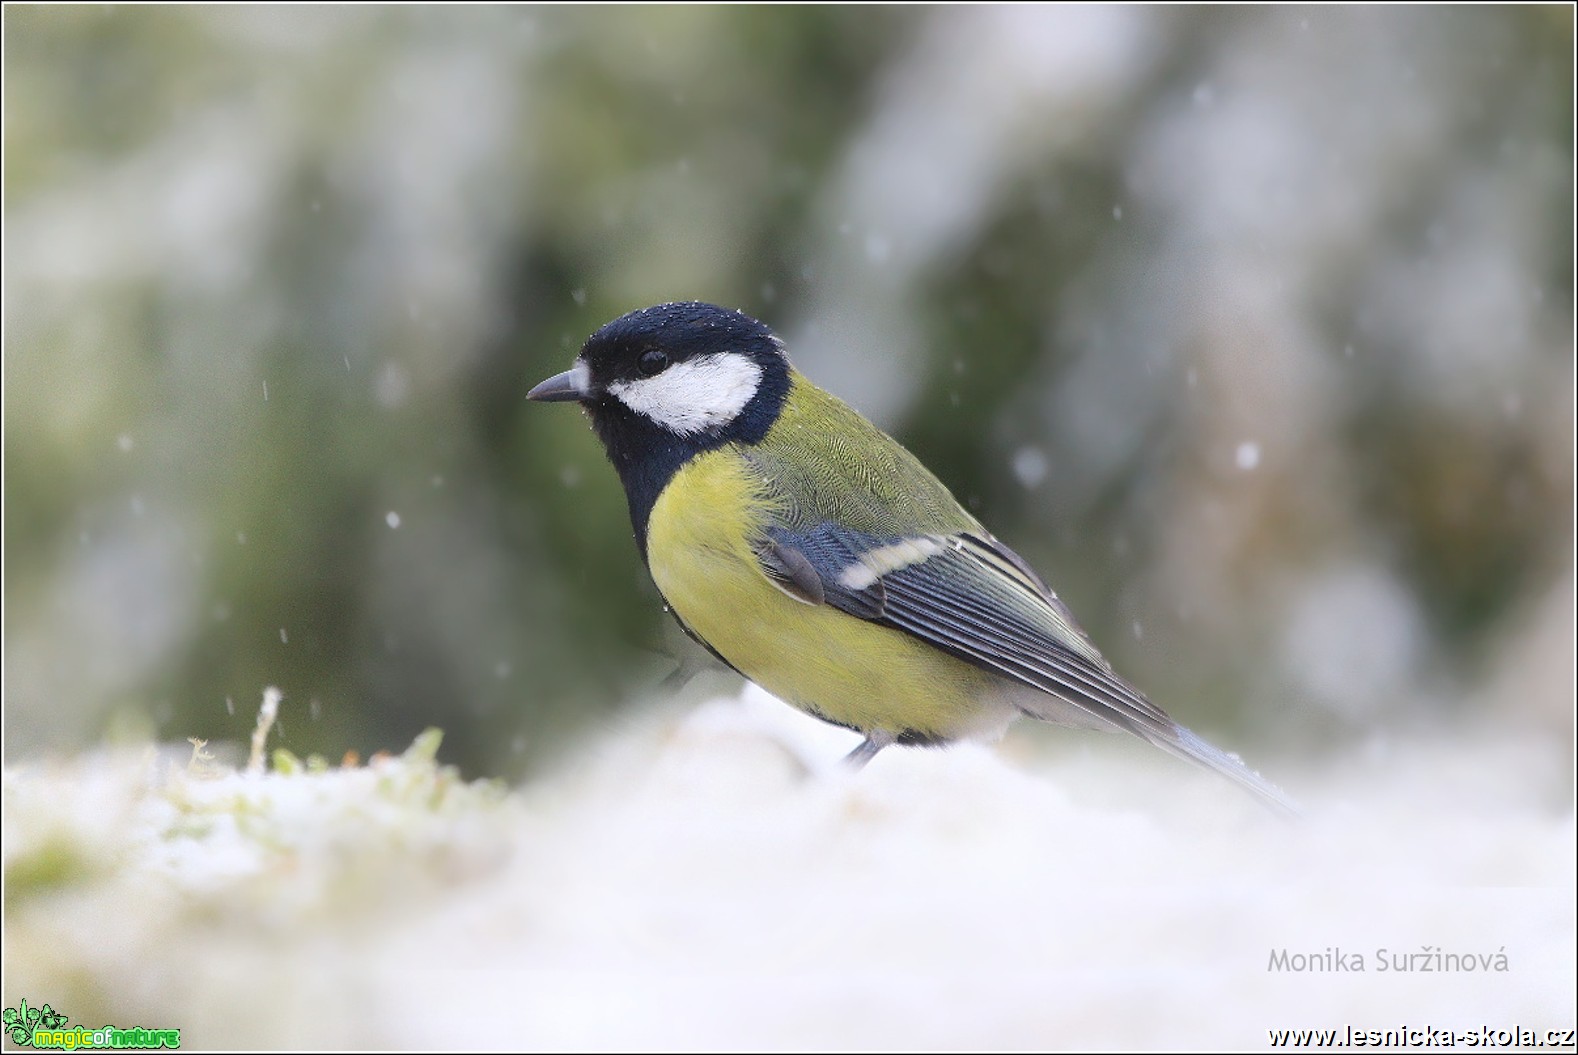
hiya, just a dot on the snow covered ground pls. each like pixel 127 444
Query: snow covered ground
pixel 710 877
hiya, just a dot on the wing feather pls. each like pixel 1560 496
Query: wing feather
pixel 1006 640
pixel 974 598
pixel 962 594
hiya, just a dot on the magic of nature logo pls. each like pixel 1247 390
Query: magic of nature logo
pixel 44 1027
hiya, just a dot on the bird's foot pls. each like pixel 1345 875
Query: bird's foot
pixel 875 741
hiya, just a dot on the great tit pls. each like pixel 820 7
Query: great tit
pixel 817 557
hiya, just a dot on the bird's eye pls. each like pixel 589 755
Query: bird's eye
pixel 652 362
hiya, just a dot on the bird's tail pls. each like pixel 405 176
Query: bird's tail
pixel 1087 694
pixel 1185 744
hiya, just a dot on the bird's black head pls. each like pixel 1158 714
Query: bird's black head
pixel 665 383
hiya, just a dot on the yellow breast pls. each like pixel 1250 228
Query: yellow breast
pixel 700 547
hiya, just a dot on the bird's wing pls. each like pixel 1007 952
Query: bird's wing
pixel 967 594
pixel 973 597
pixel 853 520
pixel 857 522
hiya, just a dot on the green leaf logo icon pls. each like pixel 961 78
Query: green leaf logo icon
pixel 18 1023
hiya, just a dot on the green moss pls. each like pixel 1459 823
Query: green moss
pixel 54 863
pixel 287 764
pixel 425 747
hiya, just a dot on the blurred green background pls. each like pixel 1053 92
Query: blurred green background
pixel 1251 328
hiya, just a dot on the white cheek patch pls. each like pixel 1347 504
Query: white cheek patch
pixel 703 393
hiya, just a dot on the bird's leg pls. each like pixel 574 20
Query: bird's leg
pixel 875 741
pixel 678 678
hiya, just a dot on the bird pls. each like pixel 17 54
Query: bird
pixel 817 557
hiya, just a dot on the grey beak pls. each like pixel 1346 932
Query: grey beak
pixel 574 384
